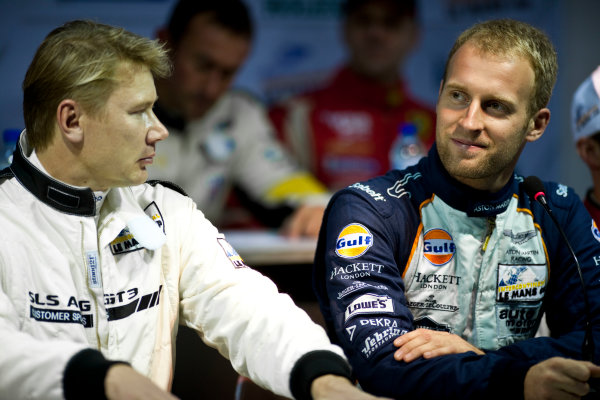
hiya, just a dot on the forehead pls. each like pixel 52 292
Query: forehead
pixel 205 36
pixel 135 83
pixel 507 75
pixel 378 10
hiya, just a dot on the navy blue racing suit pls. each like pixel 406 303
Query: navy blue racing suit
pixel 417 249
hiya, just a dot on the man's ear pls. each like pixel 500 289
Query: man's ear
pixel 589 151
pixel 538 124
pixel 69 117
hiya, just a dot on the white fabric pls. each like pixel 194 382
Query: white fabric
pixel 45 259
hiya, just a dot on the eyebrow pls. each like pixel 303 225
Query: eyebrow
pixel 146 104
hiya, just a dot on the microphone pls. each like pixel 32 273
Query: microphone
pixel 533 186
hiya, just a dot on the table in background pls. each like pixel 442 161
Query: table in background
pixel 266 247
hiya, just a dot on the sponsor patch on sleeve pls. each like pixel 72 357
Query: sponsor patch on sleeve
pixel 230 252
pixel 381 336
pixel 353 241
pixel 369 304
pixel 595 231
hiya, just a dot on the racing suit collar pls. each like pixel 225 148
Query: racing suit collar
pixel 476 203
pixel 58 195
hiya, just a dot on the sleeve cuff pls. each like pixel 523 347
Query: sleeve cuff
pixel 84 375
pixel 312 365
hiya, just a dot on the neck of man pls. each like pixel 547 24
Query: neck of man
pixel 64 166
pixel 488 184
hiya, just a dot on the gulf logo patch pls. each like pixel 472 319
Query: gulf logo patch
pixel 438 247
pixel 353 241
pixel 595 231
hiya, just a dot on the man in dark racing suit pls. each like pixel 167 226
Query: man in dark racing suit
pixel 434 279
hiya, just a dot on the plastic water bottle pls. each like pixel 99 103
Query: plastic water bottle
pixel 9 143
pixel 407 149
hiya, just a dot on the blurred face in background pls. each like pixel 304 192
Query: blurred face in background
pixel 379 39
pixel 205 62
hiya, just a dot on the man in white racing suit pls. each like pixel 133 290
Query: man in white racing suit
pixel 98 269
pixel 221 139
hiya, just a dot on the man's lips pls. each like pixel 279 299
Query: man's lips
pixel 467 144
pixel 148 159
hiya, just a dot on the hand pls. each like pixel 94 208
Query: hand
pixel 333 387
pixel 559 378
pixel 430 344
pixel 124 383
pixel 304 221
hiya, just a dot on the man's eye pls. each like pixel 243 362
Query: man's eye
pixel 496 107
pixel 458 96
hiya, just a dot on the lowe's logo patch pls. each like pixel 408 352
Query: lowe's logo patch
pixel 353 241
pixel 369 304
pixel 438 247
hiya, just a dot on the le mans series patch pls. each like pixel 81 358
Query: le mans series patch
pixel 521 283
pixel 126 243
pixel 230 252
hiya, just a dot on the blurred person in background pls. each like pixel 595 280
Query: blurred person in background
pixel 585 118
pixel 343 131
pixel 222 139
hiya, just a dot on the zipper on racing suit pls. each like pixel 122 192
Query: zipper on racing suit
pixel 491 226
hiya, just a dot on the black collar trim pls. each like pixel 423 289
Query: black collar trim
pixel 55 194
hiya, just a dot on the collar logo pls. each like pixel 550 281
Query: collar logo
pixel 438 247
pixel 353 241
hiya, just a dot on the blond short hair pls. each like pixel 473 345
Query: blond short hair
pixel 507 37
pixel 78 61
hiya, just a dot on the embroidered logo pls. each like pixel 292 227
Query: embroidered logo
pixel 353 241
pixel 438 247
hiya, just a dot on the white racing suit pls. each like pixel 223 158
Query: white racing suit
pixel 80 287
